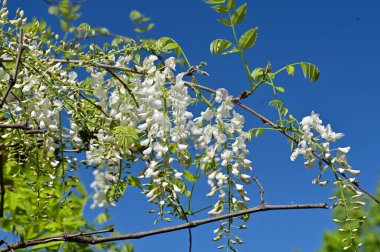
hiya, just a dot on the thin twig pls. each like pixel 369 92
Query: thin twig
pixel 13 79
pixel 24 127
pixel 261 190
pixel 184 214
pixel 124 85
pixel 74 150
pixel 15 126
pixel 5 242
pixel 82 63
pixel 82 238
pixel 98 107
pixel 108 230
pixel 31 132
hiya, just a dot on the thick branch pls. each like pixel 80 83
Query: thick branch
pixel 82 238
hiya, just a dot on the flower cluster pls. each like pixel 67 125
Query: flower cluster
pixel 311 143
pixel 220 136
pixel 100 185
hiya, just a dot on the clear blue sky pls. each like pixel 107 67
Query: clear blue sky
pixel 341 37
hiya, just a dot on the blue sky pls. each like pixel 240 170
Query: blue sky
pixel 340 36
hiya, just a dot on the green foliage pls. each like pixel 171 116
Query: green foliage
pixel 239 14
pixel 368 233
pixel 126 137
pixel 140 21
pixel 309 70
pixel 35 209
pixel 86 29
pixel 248 39
pixel 66 12
pixel 219 46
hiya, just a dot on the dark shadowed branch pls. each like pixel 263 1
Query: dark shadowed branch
pixel 85 238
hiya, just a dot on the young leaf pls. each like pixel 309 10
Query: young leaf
pixel 134 15
pixel 310 71
pixel 219 45
pixel 215 1
pixel 239 14
pixel 281 89
pixel 290 69
pixel 224 21
pixel 230 4
pixel 86 29
pixel 233 50
pixel 248 39
pixel 126 136
pixel 189 176
pixel 170 46
pixel 220 9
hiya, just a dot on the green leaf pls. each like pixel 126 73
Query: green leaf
pixel 257 73
pixel 290 69
pixel 134 14
pixel 224 21
pixel 126 136
pixel 233 50
pixel 215 1
pixel 189 176
pixel 133 181
pixel 64 25
pixel 310 71
pixel 116 191
pixel 219 45
pixel 220 9
pixel 259 132
pixel 103 30
pixel 248 39
pixel 150 27
pixel 281 89
pixel 86 29
pixel 102 218
pixel 230 4
pixel 53 10
pixel 239 14
pixel 170 46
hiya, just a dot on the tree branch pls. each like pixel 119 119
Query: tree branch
pixel 261 190
pixel 83 238
pixel 82 63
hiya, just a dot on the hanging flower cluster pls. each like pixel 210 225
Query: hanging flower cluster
pixel 311 143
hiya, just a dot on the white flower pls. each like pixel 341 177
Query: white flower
pixel 353 172
pixel 239 187
pixel 221 94
pixel 101 186
pixel 226 156
pixel 344 150
pixel 178 175
pixel 170 63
